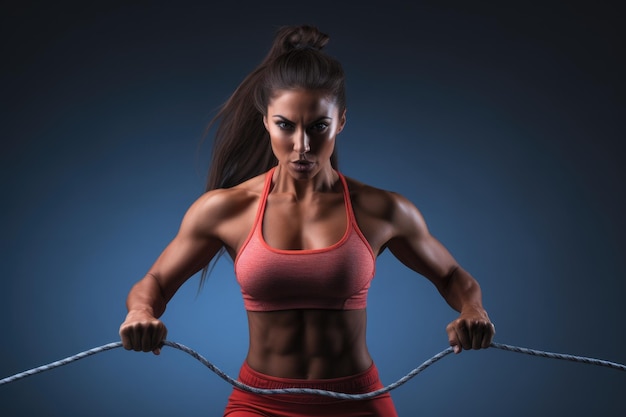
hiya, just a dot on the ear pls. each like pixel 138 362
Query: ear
pixel 265 123
pixel 342 121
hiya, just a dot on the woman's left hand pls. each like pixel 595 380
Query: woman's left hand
pixel 471 330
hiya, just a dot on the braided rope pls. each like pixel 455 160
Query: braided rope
pixel 332 394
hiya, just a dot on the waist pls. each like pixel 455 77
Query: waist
pixel 358 383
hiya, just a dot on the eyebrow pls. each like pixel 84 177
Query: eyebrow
pixel 316 120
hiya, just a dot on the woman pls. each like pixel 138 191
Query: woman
pixel 304 241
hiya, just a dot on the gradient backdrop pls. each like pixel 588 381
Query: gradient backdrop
pixel 505 126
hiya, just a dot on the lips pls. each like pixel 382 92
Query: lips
pixel 302 165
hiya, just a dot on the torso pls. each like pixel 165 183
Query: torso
pixel 307 343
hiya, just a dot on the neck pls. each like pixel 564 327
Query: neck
pixel 325 180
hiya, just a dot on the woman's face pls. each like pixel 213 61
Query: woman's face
pixel 302 125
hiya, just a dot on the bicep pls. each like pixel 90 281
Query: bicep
pixel 416 248
pixel 192 248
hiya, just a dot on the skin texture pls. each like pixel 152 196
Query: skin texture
pixel 305 210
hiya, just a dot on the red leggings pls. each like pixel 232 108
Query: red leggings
pixel 245 404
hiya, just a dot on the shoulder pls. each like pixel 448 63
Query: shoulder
pixel 227 199
pixel 378 202
pixel 220 205
pixel 385 215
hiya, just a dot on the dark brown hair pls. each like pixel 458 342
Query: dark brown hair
pixel 241 146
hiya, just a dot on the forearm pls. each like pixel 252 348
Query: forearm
pixel 461 291
pixel 473 328
pixel 147 296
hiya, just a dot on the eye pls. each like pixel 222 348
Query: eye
pixel 284 125
pixel 319 127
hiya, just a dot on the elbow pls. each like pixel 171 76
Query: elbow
pixel 458 281
pixel 158 288
pixel 446 282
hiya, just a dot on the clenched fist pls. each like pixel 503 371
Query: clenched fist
pixel 142 332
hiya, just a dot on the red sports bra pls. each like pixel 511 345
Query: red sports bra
pixel 336 277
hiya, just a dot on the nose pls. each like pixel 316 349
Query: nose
pixel 302 142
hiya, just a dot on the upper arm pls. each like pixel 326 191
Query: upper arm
pixel 414 246
pixel 195 244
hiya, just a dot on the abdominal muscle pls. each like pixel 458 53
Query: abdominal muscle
pixel 308 344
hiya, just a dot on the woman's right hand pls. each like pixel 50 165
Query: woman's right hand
pixel 141 331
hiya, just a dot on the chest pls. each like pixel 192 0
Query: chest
pixel 300 225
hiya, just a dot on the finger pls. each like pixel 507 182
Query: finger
pixel 462 333
pixel 453 340
pixel 131 337
pixel 124 335
pixel 146 339
pixel 488 336
pixel 456 346
pixel 162 334
pixel 156 341
pixel 135 338
pixel 158 338
pixel 476 335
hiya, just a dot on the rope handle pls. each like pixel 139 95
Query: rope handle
pixel 339 395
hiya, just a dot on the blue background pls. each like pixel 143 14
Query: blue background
pixel 503 124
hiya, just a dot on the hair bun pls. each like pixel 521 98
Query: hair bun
pixel 302 37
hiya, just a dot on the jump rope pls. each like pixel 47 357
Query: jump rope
pixel 333 394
